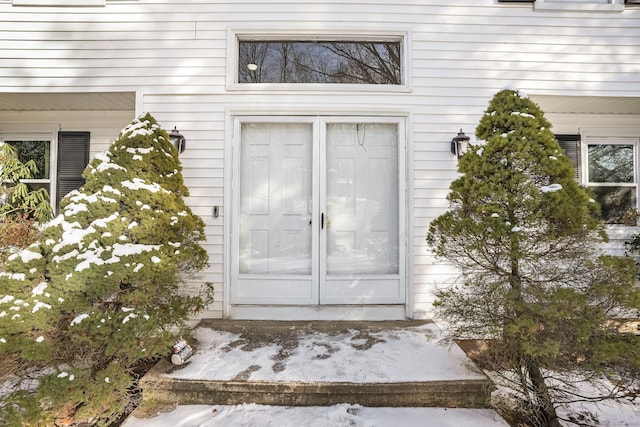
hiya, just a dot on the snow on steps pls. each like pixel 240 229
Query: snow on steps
pixel 390 364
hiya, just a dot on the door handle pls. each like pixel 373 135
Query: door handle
pixel 322 221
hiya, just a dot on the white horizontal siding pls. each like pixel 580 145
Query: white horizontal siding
pixel 174 53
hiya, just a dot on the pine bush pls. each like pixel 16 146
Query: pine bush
pixel 101 290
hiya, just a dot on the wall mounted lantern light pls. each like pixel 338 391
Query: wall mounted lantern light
pixel 460 144
pixel 178 139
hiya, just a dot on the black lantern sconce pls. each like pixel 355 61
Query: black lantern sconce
pixel 460 144
pixel 178 139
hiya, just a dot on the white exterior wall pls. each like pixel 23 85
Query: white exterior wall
pixel 173 54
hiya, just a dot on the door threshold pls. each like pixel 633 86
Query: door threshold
pixel 319 312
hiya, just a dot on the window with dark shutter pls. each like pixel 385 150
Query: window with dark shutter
pixel 73 156
pixel 571 146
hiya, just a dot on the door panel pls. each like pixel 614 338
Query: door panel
pixel 362 204
pixel 318 213
pixel 362 198
pixel 275 203
pixel 274 229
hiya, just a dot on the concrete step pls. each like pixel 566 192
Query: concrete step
pixel 373 364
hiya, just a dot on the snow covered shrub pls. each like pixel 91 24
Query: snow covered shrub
pixel 100 291
pixel 524 237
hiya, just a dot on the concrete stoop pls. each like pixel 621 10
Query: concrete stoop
pixel 162 385
pixel 445 394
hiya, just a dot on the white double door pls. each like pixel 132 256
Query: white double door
pixel 318 213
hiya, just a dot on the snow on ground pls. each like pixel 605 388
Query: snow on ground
pixel 251 415
pixel 393 355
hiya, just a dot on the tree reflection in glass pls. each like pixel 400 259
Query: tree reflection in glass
pixel 344 62
pixel 612 179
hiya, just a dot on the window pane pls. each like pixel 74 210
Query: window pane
pixel 362 198
pixel 38 151
pixel 615 202
pixel 346 62
pixel 611 163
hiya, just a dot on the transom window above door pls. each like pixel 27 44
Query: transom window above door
pixel 345 61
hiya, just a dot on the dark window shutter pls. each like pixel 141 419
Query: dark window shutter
pixel 73 156
pixel 571 146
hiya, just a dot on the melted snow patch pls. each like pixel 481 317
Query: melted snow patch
pixel 72 234
pixel 110 189
pixel 518 113
pixel 78 319
pixel 7 298
pixel 90 257
pixel 58 259
pixel 75 208
pixel 140 184
pixel 139 127
pixel 120 250
pixel 39 290
pixel 139 150
pixel 102 223
pixel 105 163
pixel 13 276
pixel 40 305
pixel 550 188
pixel 25 255
pixel 129 317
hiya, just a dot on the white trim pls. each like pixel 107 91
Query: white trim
pixel 229 200
pixel 611 6
pixel 139 103
pixel 327 312
pixel 409 176
pixel 630 132
pixel 305 33
pixel 233 118
pixel 59 2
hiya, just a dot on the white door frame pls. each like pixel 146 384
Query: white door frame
pixel 398 305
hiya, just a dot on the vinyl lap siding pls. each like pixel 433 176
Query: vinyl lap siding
pixel 173 53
